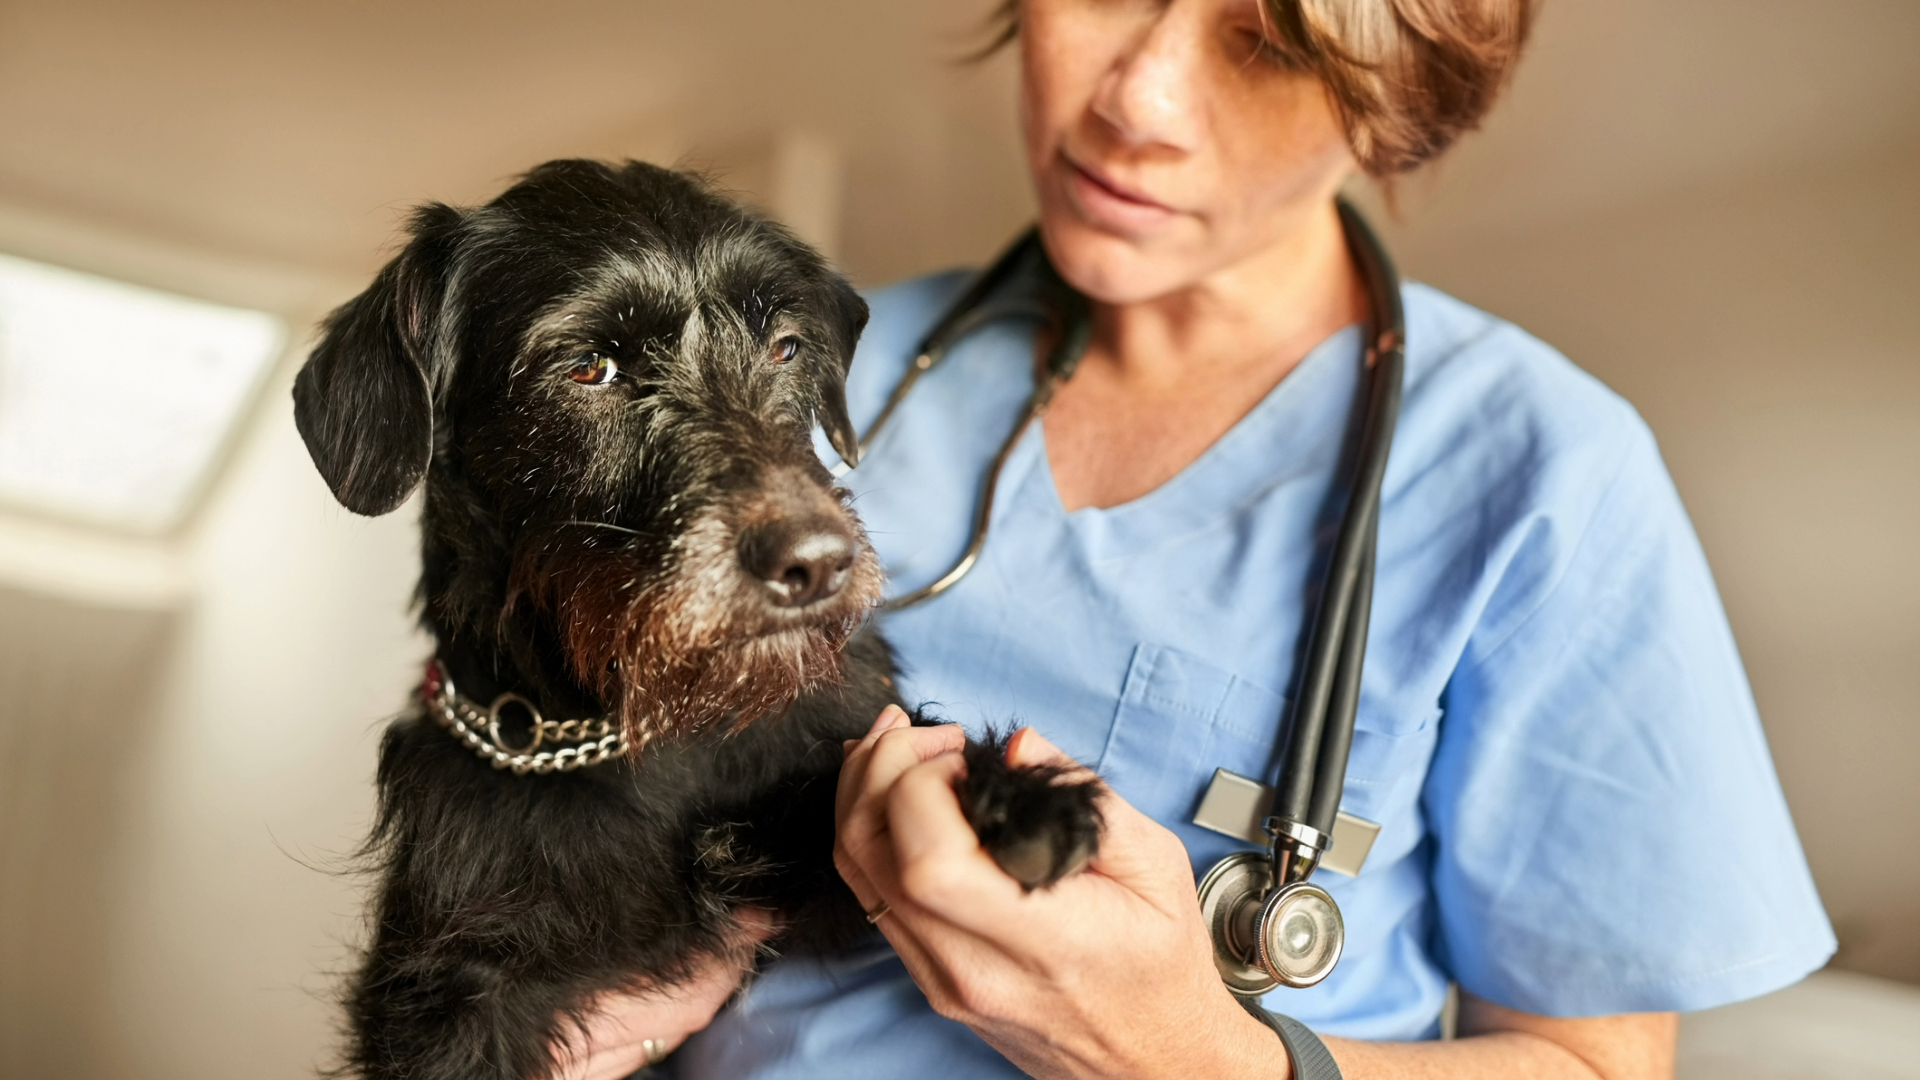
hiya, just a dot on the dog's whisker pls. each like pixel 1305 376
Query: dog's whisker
pixel 604 525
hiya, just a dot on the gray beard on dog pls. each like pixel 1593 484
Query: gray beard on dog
pixel 673 646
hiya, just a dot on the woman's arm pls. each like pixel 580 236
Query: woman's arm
pixel 1110 973
pixel 1497 1042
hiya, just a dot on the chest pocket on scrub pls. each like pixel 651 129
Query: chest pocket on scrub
pixel 1181 717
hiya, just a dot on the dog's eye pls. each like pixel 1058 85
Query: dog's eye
pixel 785 349
pixel 594 369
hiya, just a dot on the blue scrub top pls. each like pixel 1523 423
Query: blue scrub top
pixel 1579 815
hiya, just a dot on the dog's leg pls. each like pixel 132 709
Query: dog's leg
pixel 420 1014
pixel 507 904
pixel 1041 823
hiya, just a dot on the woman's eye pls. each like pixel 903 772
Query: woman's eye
pixel 785 349
pixel 594 369
pixel 1255 43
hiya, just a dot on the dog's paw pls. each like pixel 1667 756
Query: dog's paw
pixel 1041 823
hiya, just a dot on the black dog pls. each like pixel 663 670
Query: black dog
pixel 649 601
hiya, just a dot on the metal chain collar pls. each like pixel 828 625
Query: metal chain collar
pixel 593 741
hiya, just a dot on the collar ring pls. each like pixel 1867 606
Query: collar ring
pixel 493 723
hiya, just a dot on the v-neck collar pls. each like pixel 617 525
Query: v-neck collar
pixel 1294 431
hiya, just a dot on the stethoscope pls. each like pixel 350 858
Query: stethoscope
pixel 1270 925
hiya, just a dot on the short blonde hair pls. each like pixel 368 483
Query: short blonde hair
pixel 1408 77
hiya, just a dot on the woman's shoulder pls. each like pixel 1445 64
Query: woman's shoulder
pixel 1481 388
pixel 1466 353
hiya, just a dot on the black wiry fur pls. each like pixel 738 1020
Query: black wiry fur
pixel 1041 823
pixel 583 546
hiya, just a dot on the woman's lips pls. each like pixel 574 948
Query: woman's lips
pixel 1110 206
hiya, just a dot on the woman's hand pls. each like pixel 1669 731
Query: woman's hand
pixel 613 1041
pixel 1109 973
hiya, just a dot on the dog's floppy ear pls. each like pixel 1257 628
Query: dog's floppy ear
pixel 364 400
pixel 846 313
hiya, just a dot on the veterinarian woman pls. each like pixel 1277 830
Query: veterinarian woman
pixel 1580 823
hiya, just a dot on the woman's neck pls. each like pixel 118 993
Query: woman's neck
pixel 1261 310
pixel 1165 378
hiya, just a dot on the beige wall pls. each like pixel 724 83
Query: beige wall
pixel 72 744
pixel 187 780
pixel 298 132
pixel 1709 204
pixel 229 914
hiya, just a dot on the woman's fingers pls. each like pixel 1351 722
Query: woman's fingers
pixel 862 851
pixel 856 753
pixel 934 846
pixel 942 867
pixel 894 750
pixel 891 717
pixel 872 768
pixel 855 826
pixel 904 819
pixel 890 745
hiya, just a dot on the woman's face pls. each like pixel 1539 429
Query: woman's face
pixel 1167 141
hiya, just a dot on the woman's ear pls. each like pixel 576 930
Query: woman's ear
pixel 364 400
pixel 846 313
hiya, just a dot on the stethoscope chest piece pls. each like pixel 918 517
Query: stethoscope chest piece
pixel 1266 937
pixel 1300 934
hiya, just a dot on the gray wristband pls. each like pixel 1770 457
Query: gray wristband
pixel 1305 1051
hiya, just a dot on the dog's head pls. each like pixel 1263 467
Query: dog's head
pixel 607 379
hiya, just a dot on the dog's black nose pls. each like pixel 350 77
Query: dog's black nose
pixel 799 561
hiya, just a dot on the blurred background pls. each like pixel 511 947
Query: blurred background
pixel 1710 204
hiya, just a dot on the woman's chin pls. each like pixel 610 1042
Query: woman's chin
pixel 1111 268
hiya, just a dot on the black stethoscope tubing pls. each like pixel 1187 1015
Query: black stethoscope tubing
pixel 1311 772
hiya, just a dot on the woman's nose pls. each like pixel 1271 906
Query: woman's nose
pixel 1151 94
